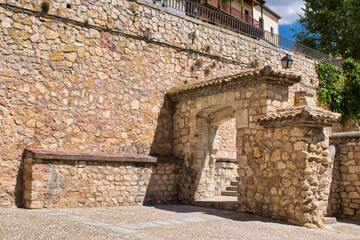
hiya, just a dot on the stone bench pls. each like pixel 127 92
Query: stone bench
pixel 53 178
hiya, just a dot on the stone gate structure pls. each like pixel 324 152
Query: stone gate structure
pixel 86 97
pixel 282 155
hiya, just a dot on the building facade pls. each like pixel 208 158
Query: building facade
pixel 253 12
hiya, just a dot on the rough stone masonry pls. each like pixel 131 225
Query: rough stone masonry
pixel 84 79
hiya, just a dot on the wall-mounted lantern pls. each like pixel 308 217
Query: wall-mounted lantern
pixel 286 62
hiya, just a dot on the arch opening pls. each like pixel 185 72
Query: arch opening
pixel 215 151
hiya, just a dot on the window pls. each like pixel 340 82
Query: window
pixel 272 31
pixel 247 17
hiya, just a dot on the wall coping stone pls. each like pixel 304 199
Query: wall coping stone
pixel 354 134
pixel 89 156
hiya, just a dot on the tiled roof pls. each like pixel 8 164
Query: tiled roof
pixel 244 77
pixel 303 114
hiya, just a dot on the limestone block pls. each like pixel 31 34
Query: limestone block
pixel 94 33
pixel 242 118
pixel 300 146
pixel 36 204
pixel 354 169
pixel 352 177
pixel 354 206
pixel 296 132
pixel 7 22
pixel 50 34
pixel 42 89
pixel 57 56
pixel 326 161
pixel 287 183
pixel 312 148
pixel 281 165
pixel 276 156
pixel 354 195
pixel 135 104
pixel 349 211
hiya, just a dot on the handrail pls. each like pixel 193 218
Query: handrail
pixel 231 22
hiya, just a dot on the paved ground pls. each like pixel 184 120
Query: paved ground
pixel 159 222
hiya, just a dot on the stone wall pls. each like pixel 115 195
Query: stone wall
pixel 67 179
pixel 285 174
pixel 225 139
pixel 345 190
pixel 85 79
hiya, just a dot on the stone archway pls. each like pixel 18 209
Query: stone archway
pixel 279 173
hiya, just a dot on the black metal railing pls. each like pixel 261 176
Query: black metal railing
pixel 225 20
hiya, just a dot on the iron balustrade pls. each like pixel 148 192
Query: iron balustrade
pixel 219 18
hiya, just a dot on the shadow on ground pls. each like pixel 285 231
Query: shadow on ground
pixel 349 221
pixel 232 215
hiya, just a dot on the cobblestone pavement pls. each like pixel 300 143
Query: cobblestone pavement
pixel 159 222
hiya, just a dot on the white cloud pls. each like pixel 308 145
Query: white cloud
pixel 287 9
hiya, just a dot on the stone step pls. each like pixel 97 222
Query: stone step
pixel 232 188
pixel 229 193
pixel 218 202
pixel 330 220
pixel 234 183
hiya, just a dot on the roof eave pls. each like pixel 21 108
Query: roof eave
pixel 229 82
pixel 272 12
pixel 301 116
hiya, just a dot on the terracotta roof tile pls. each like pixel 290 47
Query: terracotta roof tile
pixel 304 113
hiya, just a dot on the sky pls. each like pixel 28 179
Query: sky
pixel 288 10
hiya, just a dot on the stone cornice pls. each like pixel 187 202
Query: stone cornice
pixel 301 116
pixel 88 156
pixel 228 83
pixel 347 135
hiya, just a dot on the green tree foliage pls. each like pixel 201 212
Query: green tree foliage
pixel 330 89
pixel 351 92
pixel 332 26
pixel 339 89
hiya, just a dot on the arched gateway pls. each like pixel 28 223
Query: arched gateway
pixel 281 149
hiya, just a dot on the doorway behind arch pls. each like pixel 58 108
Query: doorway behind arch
pixel 216 156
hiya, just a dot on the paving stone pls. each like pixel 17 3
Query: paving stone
pixel 118 229
pixel 192 219
pixel 218 224
pixel 168 222
pixel 140 225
